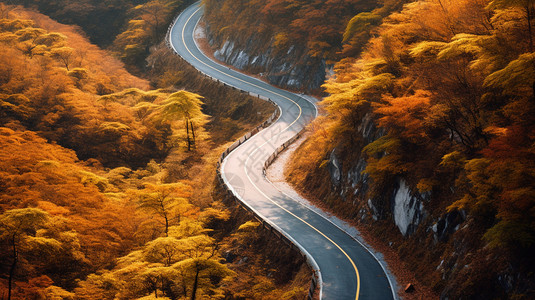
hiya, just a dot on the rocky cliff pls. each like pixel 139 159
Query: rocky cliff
pixel 290 43
pixel 444 247
pixel 279 69
pixel 399 202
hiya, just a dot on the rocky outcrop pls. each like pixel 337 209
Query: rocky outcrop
pixel 335 169
pixel 447 224
pixel 404 206
pixel 353 183
pixel 407 209
pixel 375 212
pixel 357 180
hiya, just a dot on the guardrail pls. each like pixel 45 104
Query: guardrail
pixel 267 225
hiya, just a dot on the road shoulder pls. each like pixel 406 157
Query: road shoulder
pixel 275 174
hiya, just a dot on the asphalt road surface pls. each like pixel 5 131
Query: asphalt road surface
pixel 347 269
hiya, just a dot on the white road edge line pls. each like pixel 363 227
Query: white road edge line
pixel 290 197
pixel 311 260
pixel 394 294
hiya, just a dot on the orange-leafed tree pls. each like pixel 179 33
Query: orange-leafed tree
pixel 186 107
pixel 19 231
pixel 168 201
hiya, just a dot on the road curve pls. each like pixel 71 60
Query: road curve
pixel 347 269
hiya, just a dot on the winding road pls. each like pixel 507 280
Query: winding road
pixel 347 270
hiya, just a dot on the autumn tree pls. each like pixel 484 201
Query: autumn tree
pixel 358 32
pixel 169 201
pixel 147 27
pixel 195 260
pixel 36 41
pixel 154 14
pixel 18 230
pixel 183 106
pixel 132 43
pixel 528 8
pixel 63 54
pixel 184 264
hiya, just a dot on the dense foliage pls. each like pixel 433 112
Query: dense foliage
pixel 106 185
pixel 450 87
pixel 292 43
pixel 146 27
pixel 317 25
pixel 101 20
pixel 130 28
pixel 54 83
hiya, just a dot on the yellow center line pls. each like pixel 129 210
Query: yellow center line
pixel 249 156
pixel 305 222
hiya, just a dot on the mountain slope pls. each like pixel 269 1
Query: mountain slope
pixel 427 133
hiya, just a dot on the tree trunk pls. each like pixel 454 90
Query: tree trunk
pixel 184 288
pixel 187 135
pixel 13 266
pixel 166 226
pixel 193 134
pixel 195 283
pixel 164 215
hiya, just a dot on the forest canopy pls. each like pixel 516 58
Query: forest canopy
pixel 448 88
pixel 318 25
pixel 106 179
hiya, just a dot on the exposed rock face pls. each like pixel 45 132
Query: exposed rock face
pixel 354 182
pixel 376 214
pixel 357 180
pixel 335 169
pixel 407 209
pixel 279 69
pixel 447 224
pixel 404 206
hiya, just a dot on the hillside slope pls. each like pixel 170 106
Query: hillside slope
pixel 427 138
pixel 427 130
pixel 105 192
pixel 290 43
